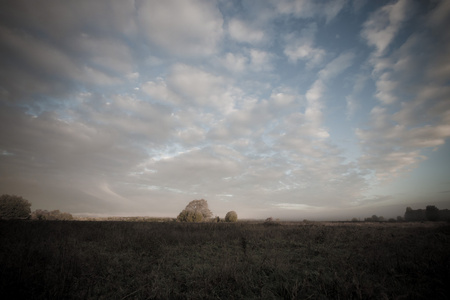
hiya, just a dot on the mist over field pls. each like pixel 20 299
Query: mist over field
pixel 321 110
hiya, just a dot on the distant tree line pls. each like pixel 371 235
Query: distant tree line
pixel 14 207
pixel 431 213
pixel 375 218
pixel 40 214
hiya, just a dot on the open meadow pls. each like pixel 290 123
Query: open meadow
pixel 244 260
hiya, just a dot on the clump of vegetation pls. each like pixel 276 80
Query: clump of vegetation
pixel 14 207
pixel 231 216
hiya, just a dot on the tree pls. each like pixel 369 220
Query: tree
pixel 200 206
pixel 231 216
pixel 432 213
pixel 14 207
pixel 413 215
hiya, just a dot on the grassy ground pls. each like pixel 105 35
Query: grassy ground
pixel 142 260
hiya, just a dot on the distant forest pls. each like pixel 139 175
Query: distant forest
pixel 431 213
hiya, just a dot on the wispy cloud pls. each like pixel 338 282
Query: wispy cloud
pixel 242 32
pixel 181 27
pixel 384 24
pixel 302 48
pixel 310 9
pixel 395 139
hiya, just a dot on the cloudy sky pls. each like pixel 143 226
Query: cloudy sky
pixel 292 109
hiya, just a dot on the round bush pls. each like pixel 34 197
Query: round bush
pixel 190 216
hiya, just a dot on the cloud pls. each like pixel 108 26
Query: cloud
pixel 353 100
pixel 393 150
pixel 337 66
pixel 159 91
pixel 61 21
pixel 395 139
pixel 313 112
pixel 358 5
pixel 235 62
pixel 304 52
pixel 44 147
pixel 386 87
pixel 186 28
pixel 54 48
pixel 275 146
pixel 309 8
pixel 193 88
pixel 383 25
pixel 44 59
pixel 302 48
pixel 260 60
pixel 109 54
pixel 194 84
pixel 242 32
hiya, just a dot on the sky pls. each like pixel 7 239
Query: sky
pixel 287 109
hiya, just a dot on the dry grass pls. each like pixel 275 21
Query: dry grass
pixel 137 260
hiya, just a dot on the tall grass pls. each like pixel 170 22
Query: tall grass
pixel 142 260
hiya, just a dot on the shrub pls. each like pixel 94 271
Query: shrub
pixel 231 216
pixel 271 222
pixel 14 207
pixel 190 216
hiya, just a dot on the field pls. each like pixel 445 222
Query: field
pixel 150 260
